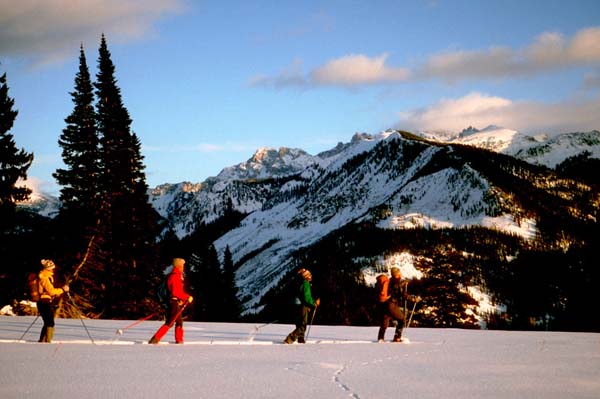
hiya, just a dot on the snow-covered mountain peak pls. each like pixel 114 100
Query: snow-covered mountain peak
pixel 541 149
pixel 468 131
pixel 549 150
pixel 167 188
pixel 356 137
pixel 41 203
pixel 269 162
pixel 491 138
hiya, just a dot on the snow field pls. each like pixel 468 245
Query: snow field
pixel 437 363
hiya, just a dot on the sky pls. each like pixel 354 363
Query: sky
pixel 207 83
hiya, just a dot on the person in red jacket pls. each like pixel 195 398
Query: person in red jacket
pixel 179 298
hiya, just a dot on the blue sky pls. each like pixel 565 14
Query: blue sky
pixel 209 82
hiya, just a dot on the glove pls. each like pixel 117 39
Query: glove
pixel 190 299
pixel 415 298
pixel 317 302
pixel 65 288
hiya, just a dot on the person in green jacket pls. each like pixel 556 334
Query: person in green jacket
pixel 306 305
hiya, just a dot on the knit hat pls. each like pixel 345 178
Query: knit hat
pixel 47 264
pixel 305 273
pixel 178 263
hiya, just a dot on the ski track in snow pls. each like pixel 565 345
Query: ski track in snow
pixel 338 370
pixel 336 378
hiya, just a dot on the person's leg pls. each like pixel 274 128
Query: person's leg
pixel 178 326
pixel 179 334
pixel 384 320
pixel 171 314
pixel 398 332
pixel 49 334
pixel 383 324
pixel 304 322
pixel 301 322
pixel 46 311
pixel 398 315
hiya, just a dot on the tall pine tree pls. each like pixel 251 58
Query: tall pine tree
pixel 13 162
pixel 127 232
pixel 231 304
pixel 78 219
pixel 81 154
pixel 207 285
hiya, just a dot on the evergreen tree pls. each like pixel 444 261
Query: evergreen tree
pixel 207 285
pixel 13 162
pixel 80 153
pixel 128 230
pixel 446 304
pixel 231 304
pixel 80 206
pixel 13 165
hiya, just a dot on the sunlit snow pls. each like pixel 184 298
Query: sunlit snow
pixel 220 361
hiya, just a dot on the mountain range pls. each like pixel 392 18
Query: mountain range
pixel 496 180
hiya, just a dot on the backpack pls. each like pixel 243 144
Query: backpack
pixel 33 285
pixel 381 287
pixel 162 292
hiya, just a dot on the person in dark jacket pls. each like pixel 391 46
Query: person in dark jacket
pixel 392 297
pixel 179 298
pixel 306 305
pixel 48 294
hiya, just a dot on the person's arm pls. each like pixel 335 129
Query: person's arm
pixel 306 294
pixel 404 289
pixel 48 288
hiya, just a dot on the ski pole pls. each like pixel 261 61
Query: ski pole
pixel 311 322
pixel 29 328
pixel 178 314
pixel 258 327
pixel 411 315
pixel 80 318
pixel 120 331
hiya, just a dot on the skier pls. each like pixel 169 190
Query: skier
pixel 392 292
pixel 306 304
pixel 178 300
pixel 46 305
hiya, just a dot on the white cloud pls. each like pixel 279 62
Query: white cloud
pixel 585 47
pixel 348 71
pixel 358 69
pixel 48 31
pixel 37 186
pixel 550 51
pixel 481 110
